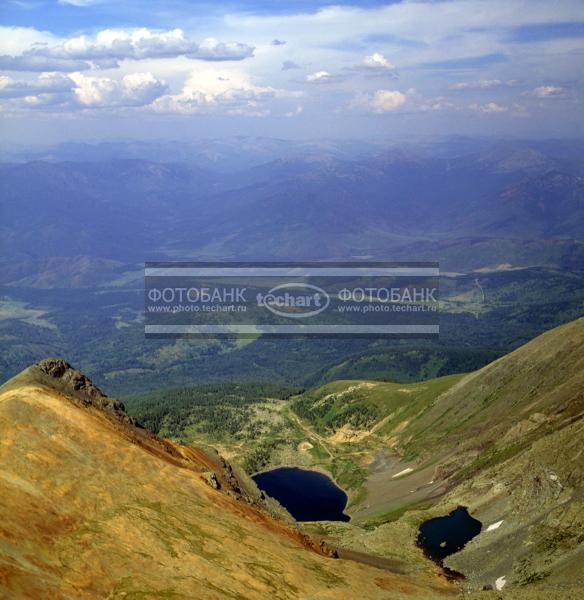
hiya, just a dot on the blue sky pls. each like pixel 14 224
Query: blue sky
pixel 98 69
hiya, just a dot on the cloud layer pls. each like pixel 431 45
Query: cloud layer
pixel 445 61
pixel 108 47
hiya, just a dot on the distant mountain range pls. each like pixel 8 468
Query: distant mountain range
pixel 74 236
pixel 237 153
pixel 323 203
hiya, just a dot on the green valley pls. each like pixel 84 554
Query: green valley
pixel 504 440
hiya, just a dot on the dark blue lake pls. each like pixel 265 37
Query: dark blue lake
pixel 443 536
pixel 306 495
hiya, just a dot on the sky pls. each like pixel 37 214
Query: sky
pixel 177 69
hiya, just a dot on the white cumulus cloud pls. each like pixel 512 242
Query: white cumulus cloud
pixel 77 91
pixel 377 61
pixel 387 100
pixel 135 89
pixel 230 92
pixel 319 76
pixel 383 101
pixel 108 47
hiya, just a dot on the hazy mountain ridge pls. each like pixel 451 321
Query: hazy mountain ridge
pixel 309 205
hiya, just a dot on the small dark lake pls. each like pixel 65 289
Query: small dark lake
pixel 306 495
pixel 443 536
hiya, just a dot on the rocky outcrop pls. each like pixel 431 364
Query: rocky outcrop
pixel 211 479
pixel 58 374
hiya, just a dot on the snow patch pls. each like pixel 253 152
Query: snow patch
pixel 494 526
pixel 404 472
pixel 500 583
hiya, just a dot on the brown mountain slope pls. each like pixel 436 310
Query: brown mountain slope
pixel 95 507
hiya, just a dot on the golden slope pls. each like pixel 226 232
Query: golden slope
pixel 93 507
